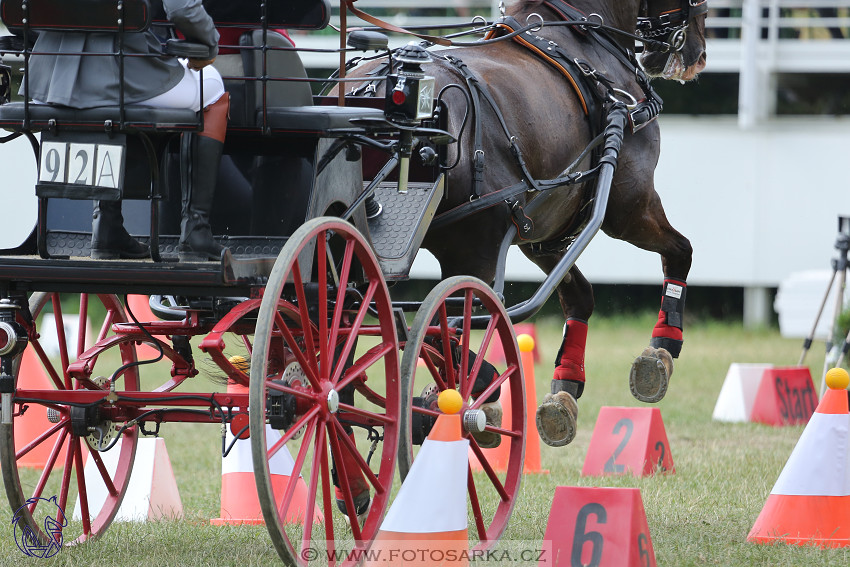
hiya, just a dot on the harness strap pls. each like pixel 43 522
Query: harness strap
pixel 393 28
pixel 550 52
pixel 506 194
pixel 477 90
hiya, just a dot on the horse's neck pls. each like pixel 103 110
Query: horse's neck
pixel 621 14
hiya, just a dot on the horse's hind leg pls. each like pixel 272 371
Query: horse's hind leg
pixel 651 371
pixel 557 415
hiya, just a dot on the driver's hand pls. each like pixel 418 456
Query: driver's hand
pixel 198 64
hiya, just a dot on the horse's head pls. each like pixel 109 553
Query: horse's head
pixel 680 25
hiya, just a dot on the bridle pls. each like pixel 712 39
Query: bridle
pixel 671 25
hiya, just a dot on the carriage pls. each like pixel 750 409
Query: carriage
pixel 322 366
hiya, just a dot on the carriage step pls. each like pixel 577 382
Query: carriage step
pixel 398 231
pixel 78 244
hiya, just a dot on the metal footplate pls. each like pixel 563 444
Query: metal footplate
pixel 73 244
pixel 398 230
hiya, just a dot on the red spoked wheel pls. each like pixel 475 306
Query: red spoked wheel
pixel 324 396
pixel 44 450
pixel 444 352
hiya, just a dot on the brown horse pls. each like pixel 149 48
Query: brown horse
pixel 551 125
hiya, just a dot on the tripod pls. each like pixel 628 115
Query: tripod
pixel 835 353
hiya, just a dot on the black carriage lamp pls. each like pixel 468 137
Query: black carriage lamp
pixel 410 93
pixel 409 99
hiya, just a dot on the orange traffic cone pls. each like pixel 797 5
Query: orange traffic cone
pixel 33 424
pixel 239 501
pixel 810 502
pixel 421 529
pixel 498 456
pixel 497 354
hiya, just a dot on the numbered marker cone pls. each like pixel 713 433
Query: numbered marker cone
pixel 239 501
pixel 426 524
pixel 810 502
pixel 33 424
pixel 738 394
pixel 786 396
pixel 498 456
pixel 604 527
pixel 152 492
pixel 628 441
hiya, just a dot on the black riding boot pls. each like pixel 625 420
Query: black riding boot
pixel 109 238
pixel 199 166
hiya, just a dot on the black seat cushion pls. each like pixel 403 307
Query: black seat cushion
pixel 136 117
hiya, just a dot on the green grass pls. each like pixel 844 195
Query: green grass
pixel 698 516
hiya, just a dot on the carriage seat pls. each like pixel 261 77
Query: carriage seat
pixel 118 17
pixel 45 116
pixel 289 103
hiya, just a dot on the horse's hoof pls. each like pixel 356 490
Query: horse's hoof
pixel 556 419
pixel 493 413
pixel 650 375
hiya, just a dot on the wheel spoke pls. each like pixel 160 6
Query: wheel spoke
pixel 365 362
pixel 512 370
pixel 436 375
pixel 479 359
pixel 296 473
pixel 59 321
pixel 353 332
pixel 448 362
pixel 477 515
pixel 48 466
pixel 313 489
pixel 304 313
pixel 465 343
pixel 40 439
pixel 104 474
pixel 82 490
pixel 491 474
pixel 342 475
pixel 367 414
pixel 358 458
pixel 285 438
pixel 308 364
pixel 290 390
pixel 46 363
pixel 342 286
pixel 322 300
pixel 326 499
pixel 66 476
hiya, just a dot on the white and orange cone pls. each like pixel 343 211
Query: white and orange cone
pixel 239 501
pixel 426 527
pixel 810 502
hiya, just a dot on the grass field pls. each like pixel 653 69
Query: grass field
pixel 698 516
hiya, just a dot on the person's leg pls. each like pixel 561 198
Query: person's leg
pixel 200 158
pixel 109 238
pixel 200 155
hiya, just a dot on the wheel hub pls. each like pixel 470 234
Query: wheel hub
pixel 333 401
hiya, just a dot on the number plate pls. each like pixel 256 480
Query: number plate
pixel 82 166
pixel 99 165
